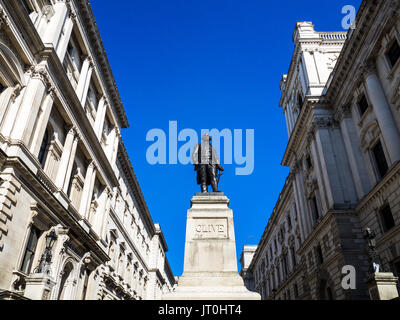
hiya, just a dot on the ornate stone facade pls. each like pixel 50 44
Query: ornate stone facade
pixel 343 119
pixel 64 170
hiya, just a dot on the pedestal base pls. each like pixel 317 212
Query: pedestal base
pixel 210 267
pixel 382 286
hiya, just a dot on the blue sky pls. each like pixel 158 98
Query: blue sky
pixel 207 64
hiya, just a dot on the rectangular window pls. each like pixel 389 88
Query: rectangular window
pixel 380 159
pixel 293 253
pixel 300 101
pixel 314 208
pixel 393 53
pixel 29 254
pixel 320 257
pixel 27 6
pixel 363 104
pixel 289 221
pixel 308 162
pixel 387 218
pixel 296 290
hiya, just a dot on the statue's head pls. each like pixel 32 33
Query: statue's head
pixel 206 137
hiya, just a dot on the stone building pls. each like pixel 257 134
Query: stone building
pixel 342 108
pixel 73 221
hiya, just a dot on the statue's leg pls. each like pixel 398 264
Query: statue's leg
pixel 211 171
pixel 203 178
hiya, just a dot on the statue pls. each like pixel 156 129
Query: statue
pixel 206 164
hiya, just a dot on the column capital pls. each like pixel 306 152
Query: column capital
pixel 344 111
pixel 368 68
pixel 72 130
pixel 92 165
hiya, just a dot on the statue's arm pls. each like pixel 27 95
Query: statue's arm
pixel 216 160
pixel 195 158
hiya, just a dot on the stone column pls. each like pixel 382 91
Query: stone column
pixel 84 80
pixel 64 39
pixel 383 112
pixel 87 189
pixel 30 104
pixel 67 158
pixel 101 112
pixel 41 124
pixel 52 32
pixel 353 149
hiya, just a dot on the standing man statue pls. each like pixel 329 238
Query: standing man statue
pixel 206 164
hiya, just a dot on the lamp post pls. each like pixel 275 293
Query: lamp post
pixel 45 260
pixel 376 265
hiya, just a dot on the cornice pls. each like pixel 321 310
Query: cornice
pixel 366 17
pixel 134 185
pixel 85 16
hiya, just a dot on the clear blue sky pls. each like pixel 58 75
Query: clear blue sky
pixel 207 64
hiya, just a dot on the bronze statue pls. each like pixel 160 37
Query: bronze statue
pixel 206 164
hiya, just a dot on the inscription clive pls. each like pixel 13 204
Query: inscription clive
pixel 210 228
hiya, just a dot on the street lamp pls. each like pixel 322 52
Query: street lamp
pixel 374 257
pixel 45 260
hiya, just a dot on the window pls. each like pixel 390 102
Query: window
pixel 85 284
pixel 300 101
pixel 308 162
pixel 320 257
pixel 386 218
pixel 393 53
pixel 285 266
pixel 296 290
pixel 380 159
pixel 27 6
pixel 314 208
pixel 2 87
pixel 29 254
pixel 71 180
pixel 293 254
pixel 363 104
pixel 329 294
pixel 289 221
pixel 43 148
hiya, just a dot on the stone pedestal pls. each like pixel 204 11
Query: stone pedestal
pixel 210 266
pixel 382 286
pixel 38 286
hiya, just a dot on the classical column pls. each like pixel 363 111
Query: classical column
pixel 87 189
pixel 352 144
pixel 52 32
pixel 100 115
pixel 64 38
pixel 67 159
pixel 383 112
pixel 32 99
pixel 41 124
pixel 84 80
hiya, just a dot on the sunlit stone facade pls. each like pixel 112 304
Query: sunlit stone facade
pixel 64 170
pixel 341 103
